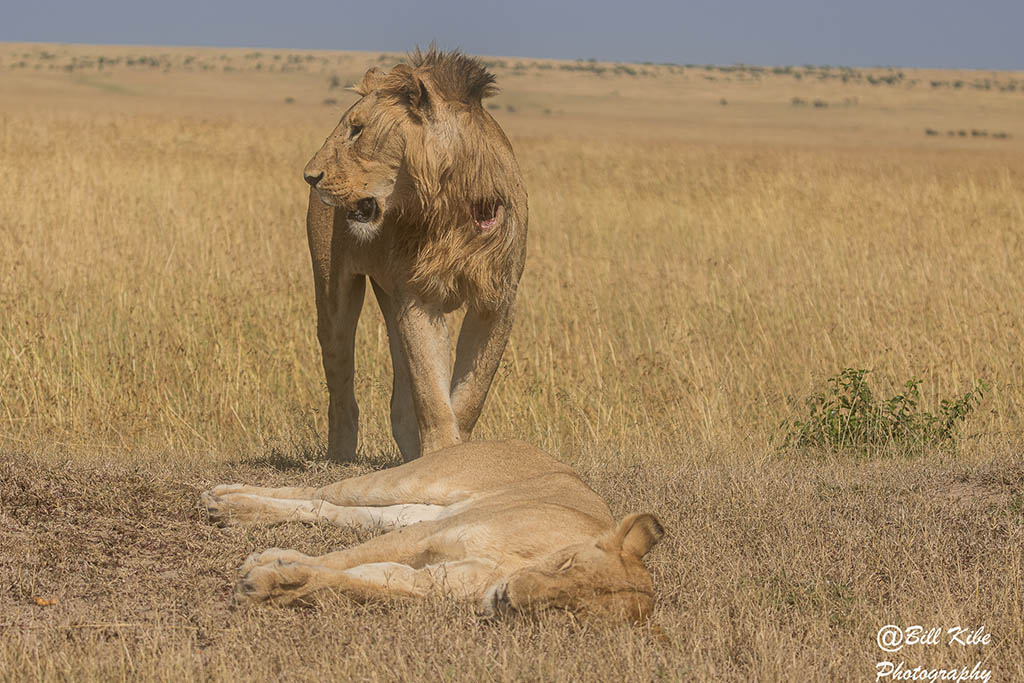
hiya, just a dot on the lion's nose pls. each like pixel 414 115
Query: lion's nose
pixel 313 177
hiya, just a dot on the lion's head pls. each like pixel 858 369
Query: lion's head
pixel 357 168
pixel 419 151
pixel 604 578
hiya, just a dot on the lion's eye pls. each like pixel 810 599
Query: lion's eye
pixel 566 564
pixel 354 131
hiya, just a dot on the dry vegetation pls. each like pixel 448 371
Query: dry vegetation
pixel 703 254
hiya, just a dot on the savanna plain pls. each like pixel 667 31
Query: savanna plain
pixel 708 245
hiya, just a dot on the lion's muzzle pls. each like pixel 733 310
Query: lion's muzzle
pixel 312 176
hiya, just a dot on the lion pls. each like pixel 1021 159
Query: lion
pixel 501 524
pixel 418 189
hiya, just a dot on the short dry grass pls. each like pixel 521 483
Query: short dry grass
pixel 777 571
pixel 691 276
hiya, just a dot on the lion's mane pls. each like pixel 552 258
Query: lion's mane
pixel 462 168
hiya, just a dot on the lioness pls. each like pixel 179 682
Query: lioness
pixel 500 523
pixel 418 189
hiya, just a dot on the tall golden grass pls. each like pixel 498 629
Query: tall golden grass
pixel 157 291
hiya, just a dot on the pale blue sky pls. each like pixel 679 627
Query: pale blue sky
pixel 931 33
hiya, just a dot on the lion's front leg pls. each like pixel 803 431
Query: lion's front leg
pixel 337 317
pixel 482 341
pixel 424 336
pixel 339 300
pixel 404 426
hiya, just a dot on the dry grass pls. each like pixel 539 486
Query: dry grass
pixel 694 269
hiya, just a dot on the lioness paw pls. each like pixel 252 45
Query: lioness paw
pixel 221 489
pixel 231 509
pixel 260 558
pixel 284 583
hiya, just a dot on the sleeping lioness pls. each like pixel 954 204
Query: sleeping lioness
pixel 501 524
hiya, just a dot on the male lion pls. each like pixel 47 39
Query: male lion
pixel 418 189
pixel 499 523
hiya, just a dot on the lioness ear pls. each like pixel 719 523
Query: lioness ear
pixel 371 79
pixel 637 534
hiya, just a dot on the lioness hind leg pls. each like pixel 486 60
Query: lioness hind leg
pixel 291 492
pixel 238 509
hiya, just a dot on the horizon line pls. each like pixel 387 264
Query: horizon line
pixel 497 56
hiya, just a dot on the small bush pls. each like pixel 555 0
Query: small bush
pixel 330 101
pixel 820 104
pixel 289 100
pixel 847 414
pixel 930 131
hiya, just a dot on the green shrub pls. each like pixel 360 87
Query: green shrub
pixel 848 415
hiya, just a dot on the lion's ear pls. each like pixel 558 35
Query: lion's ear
pixel 419 98
pixel 371 79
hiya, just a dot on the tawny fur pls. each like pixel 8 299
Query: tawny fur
pixel 500 524
pixel 451 257
pixel 449 230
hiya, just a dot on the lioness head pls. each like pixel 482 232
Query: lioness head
pixel 604 578
pixel 396 147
